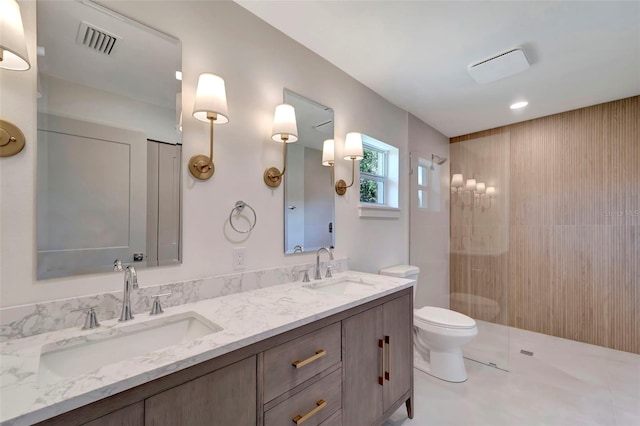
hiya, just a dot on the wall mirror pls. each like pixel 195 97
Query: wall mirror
pixel 109 142
pixel 309 194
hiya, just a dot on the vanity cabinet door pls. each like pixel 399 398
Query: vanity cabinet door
pixel 362 364
pixel 397 327
pixel 377 360
pixel 222 398
pixel 133 415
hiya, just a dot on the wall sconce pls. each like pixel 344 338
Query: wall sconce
pixel 13 56
pixel 13 46
pixel 328 156
pixel 352 151
pixel 211 106
pixel 284 130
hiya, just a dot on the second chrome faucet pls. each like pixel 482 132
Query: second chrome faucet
pixel 318 275
pixel 130 282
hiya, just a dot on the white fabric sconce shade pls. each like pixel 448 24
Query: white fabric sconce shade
pixel 491 190
pixel 353 147
pixel 211 99
pixel 471 185
pixel 285 128
pixel 328 152
pixel 13 46
pixel 457 181
pixel 481 187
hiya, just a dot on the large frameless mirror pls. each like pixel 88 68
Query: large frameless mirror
pixel 109 143
pixel 309 193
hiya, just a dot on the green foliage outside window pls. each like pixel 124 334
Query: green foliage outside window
pixel 369 187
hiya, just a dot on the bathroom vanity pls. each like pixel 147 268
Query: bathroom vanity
pixel 331 352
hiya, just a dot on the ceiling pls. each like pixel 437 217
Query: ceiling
pixel 416 53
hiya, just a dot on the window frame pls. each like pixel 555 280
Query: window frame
pixel 380 178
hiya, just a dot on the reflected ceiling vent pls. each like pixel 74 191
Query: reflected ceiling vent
pixel 96 39
pixel 500 66
pixel 325 127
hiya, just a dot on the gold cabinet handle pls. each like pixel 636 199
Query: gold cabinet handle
pixel 387 374
pixel 381 377
pixel 319 354
pixel 320 405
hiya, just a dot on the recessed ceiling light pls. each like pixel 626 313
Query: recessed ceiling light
pixel 179 75
pixel 519 105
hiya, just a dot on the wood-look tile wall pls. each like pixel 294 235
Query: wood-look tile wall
pixel 574 226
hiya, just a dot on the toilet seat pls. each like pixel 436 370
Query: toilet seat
pixel 445 318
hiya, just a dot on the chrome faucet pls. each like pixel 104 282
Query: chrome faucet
pixel 318 276
pixel 130 281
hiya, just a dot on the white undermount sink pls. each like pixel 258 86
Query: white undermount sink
pixel 79 355
pixel 344 286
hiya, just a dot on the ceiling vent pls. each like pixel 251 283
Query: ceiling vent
pixel 500 66
pixel 96 39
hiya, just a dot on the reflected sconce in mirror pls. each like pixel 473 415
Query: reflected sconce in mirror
pixel 211 106
pixel 352 151
pixel 479 191
pixel 14 57
pixel 457 182
pixel 328 156
pixel 285 130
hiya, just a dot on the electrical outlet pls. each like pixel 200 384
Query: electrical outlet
pixel 238 257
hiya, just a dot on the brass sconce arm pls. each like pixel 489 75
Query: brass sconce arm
pixel 273 176
pixel 201 166
pixel 352 151
pixel 341 185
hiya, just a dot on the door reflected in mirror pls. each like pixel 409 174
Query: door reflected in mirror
pixel 309 195
pixel 109 143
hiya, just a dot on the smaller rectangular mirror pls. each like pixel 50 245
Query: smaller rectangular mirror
pixel 309 195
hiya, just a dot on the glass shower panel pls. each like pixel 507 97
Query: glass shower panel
pixel 479 244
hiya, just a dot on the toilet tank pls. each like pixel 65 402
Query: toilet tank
pixel 403 271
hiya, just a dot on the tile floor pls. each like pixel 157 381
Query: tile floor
pixel 565 383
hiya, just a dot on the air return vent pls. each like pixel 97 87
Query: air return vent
pixel 499 66
pixel 96 39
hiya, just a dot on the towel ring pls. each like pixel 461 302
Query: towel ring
pixel 239 207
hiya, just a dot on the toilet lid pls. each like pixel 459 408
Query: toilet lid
pixel 443 317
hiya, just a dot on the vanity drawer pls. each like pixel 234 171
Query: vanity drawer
pixel 311 406
pixel 335 420
pixel 280 373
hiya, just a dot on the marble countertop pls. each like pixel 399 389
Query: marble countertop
pixel 245 318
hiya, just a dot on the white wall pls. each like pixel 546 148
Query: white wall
pixel 429 239
pixel 256 61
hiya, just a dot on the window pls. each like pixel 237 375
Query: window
pixel 373 175
pixel 379 179
pixel 428 186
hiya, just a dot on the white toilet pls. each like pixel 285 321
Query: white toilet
pixel 438 334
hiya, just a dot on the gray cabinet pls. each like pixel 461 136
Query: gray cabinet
pixel 377 361
pixel 353 368
pixel 133 415
pixel 222 398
